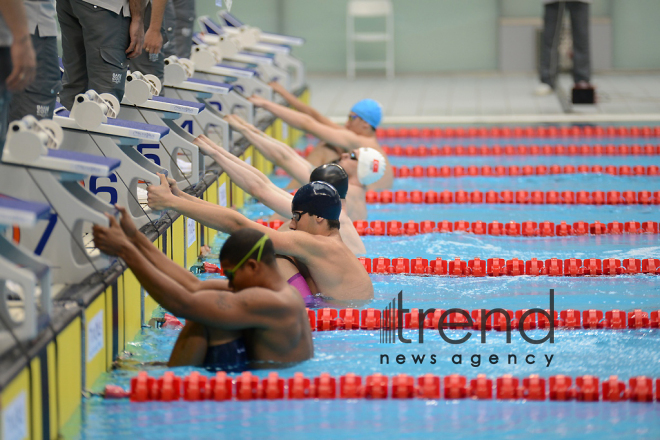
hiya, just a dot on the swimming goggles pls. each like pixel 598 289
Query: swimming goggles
pixel 229 273
pixel 297 215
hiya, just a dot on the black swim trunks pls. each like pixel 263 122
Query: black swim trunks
pixel 230 357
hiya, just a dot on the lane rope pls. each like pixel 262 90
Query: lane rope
pixel 397 228
pixel 517 197
pixel 246 387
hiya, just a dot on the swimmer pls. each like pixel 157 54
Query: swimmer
pixel 359 131
pixel 255 183
pixel 314 240
pixel 253 319
pixel 371 165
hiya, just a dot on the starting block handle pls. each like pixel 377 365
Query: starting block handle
pixel 33 270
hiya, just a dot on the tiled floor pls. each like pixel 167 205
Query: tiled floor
pixel 485 96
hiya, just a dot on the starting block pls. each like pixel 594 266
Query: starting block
pixel 209 121
pixel 176 150
pixel 278 46
pixel 117 139
pixel 24 277
pixel 53 177
pixel 209 65
pixel 237 45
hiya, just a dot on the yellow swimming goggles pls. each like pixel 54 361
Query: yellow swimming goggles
pixel 229 273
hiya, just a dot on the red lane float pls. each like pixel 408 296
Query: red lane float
pixel 527 229
pixel 519 197
pixel 247 386
pixel 570 319
pixel 522 150
pixel 518 132
pixel 527 170
pixel 423 150
pixel 499 267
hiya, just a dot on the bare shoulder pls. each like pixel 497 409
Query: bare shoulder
pixel 261 299
pixel 370 142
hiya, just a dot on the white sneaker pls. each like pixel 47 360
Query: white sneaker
pixel 543 89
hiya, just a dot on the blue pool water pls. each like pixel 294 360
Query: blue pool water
pixel 561 182
pixel 625 353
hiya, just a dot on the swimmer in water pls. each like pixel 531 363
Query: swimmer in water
pixel 314 239
pixel 253 319
pixel 368 165
pixel 359 131
pixel 255 183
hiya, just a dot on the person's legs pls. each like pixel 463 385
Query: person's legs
pixel 74 57
pixel 580 30
pixel 549 61
pixel 39 98
pixel 146 63
pixel 169 21
pixel 106 37
pixel 184 11
pixel 190 347
pixel 5 71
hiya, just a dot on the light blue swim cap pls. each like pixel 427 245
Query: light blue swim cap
pixel 370 111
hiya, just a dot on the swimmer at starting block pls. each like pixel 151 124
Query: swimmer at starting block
pixel 358 131
pixel 254 319
pixel 313 241
pixel 367 167
pixel 255 183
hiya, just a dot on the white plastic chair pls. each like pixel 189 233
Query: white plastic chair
pixel 369 9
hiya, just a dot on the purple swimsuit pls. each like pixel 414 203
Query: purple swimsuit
pixel 298 281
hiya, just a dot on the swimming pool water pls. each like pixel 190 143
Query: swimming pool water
pixel 560 182
pixel 602 353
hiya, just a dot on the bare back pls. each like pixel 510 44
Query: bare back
pixel 285 336
pixel 356 205
pixel 335 270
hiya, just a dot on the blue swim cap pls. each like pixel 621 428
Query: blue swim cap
pixel 317 198
pixel 370 111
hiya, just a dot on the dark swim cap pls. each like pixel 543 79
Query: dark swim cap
pixel 317 198
pixel 334 175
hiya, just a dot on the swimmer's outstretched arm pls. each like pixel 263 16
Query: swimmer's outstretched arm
pixel 255 183
pixel 300 245
pixel 296 103
pixel 250 180
pixel 253 308
pixel 339 137
pixel 275 151
pixel 223 219
pixel 157 258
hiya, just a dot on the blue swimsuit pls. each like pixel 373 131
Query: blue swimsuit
pixel 227 357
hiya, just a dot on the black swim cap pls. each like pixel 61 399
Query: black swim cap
pixel 334 175
pixel 317 198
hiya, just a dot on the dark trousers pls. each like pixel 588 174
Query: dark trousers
pixel 38 99
pixel 5 71
pixel 180 17
pixel 94 41
pixel 150 63
pixel 579 12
